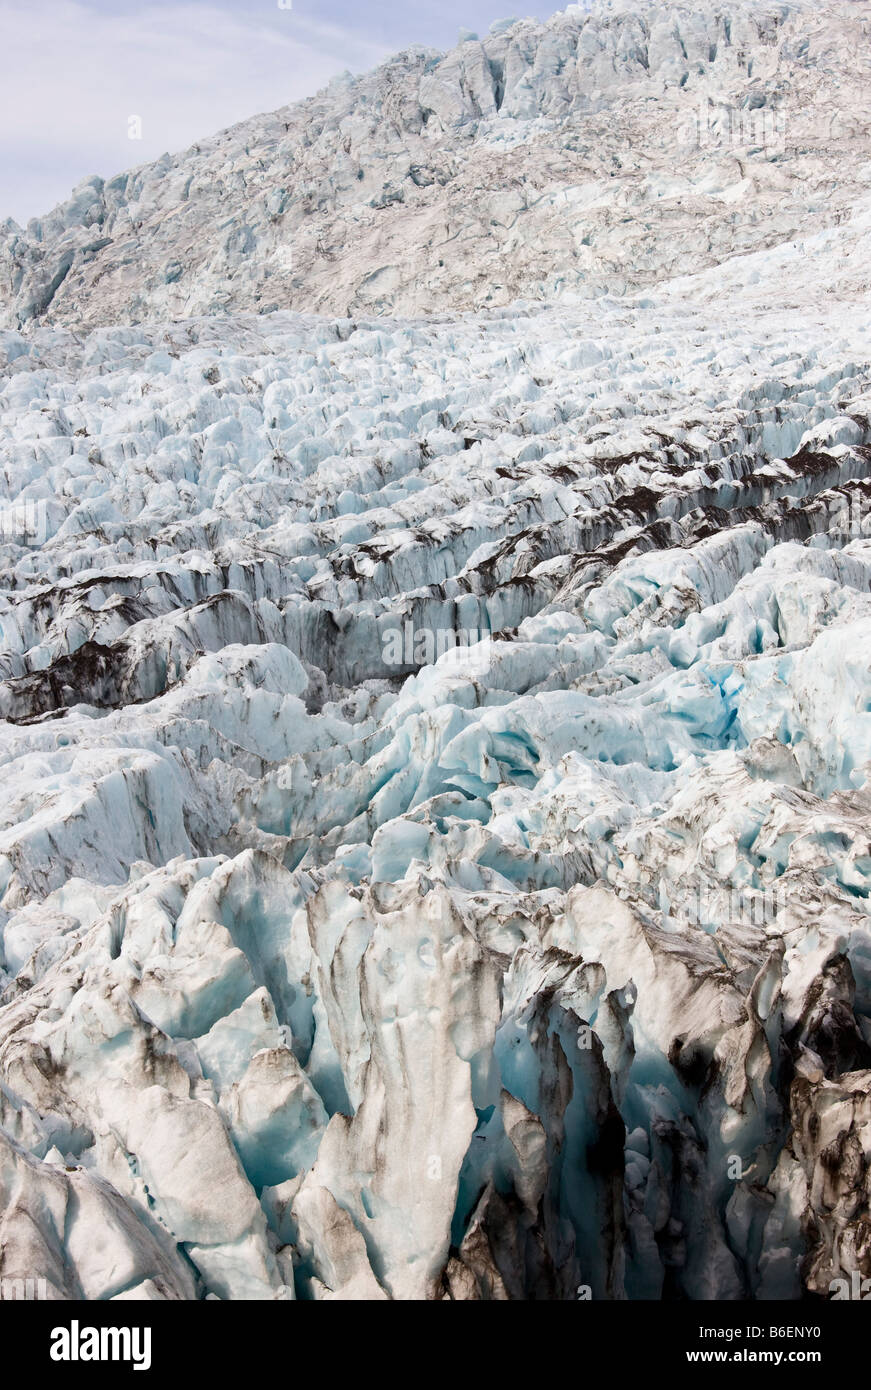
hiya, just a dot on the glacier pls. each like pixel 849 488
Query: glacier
pixel 530 960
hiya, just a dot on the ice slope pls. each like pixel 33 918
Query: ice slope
pixel 541 967
pixel 595 152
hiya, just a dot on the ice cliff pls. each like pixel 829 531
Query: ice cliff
pixel 594 152
pixel 339 960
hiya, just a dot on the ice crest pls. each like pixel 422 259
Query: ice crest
pixel 435 847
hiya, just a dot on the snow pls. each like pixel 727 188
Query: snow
pixel 589 153
pixel 338 964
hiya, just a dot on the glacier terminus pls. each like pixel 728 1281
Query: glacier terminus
pixel 435 683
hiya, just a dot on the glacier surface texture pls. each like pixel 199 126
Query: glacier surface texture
pixel 435 683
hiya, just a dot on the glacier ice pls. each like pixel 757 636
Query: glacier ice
pixel 589 153
pixel 331 972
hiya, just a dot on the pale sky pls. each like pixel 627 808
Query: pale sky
pixel 72 73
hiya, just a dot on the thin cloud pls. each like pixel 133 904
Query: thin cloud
pixel 74 72
pixel 74 75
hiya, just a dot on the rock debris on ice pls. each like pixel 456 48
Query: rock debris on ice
pixel 328 971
